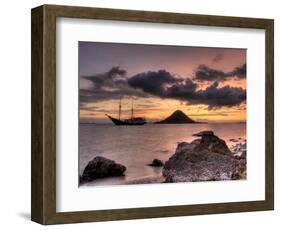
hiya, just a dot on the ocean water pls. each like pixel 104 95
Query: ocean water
pixel 137 146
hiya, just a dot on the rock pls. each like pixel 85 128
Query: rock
pixel 184 146
pixel 199 166
pixel 205 159
pixel 211 143
pixel 204 133
pixel 101 167
pixel 240 170
pixel 240 150
pixel 243 155
pixel 156 163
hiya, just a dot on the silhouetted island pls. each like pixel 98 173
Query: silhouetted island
pixel 177 117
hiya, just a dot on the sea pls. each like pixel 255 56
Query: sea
pixel 136 146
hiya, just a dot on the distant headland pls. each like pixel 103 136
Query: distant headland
pixel 177 117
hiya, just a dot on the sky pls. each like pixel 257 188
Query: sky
pixel 207 84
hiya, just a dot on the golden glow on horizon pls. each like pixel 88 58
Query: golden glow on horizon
pixel 160 109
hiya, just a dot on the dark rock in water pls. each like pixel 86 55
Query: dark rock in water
pixel 156 163
pixel 101 167
pixel 205 159
pixel 204 133
pixel 211 143
pixel 178 117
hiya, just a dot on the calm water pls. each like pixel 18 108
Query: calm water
pixel 137 146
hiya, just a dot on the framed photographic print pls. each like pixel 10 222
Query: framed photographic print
pixel 148 114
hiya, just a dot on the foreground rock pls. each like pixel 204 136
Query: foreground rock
pixel 205 159
pixel 211 143
pixel 240 153
pixel 240 150
pixel 156 163
pixel 101 167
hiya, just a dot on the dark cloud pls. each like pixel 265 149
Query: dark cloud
pixel 215 97
pixel 181 90
pixel 108 85
pixel 112 79
pixel 163 84
pixel 153 82
pixel 185 90
pixel 239 72
pixel 205 73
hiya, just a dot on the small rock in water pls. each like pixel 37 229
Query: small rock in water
pixel 101 167
pixel 156 163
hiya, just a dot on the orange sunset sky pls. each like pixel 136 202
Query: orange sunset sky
pixel 208 84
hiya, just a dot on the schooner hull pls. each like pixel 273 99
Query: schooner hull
pixel 120 122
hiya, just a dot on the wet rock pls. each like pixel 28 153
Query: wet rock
pixel 156 163
pixel 205 159
pixel 240 170
pixel 204 133
pixel 243 155
pixel 211 143
pixel 101 167
pixel 240 150
pixel 184 146
pixel 198 166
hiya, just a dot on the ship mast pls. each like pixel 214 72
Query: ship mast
pixel 119 109
pixel 132 111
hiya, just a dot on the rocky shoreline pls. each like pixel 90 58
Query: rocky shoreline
pixel 206 158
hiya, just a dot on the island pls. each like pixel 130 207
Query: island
pixel 177 117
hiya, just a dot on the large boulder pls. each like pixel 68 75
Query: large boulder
pixel 205 159
pixel 101 167
pixel 211 143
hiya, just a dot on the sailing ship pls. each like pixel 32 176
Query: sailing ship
pixel 131 121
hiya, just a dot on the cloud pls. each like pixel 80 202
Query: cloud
pixel 186 90
pixel 112 79
pixel 109 85
pixel 162 84
pixel 239 72
pixel 205 73
pixel 181 90
pixel 216 97
pixel 153 82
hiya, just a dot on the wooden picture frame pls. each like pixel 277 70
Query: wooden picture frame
pixel 43 208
